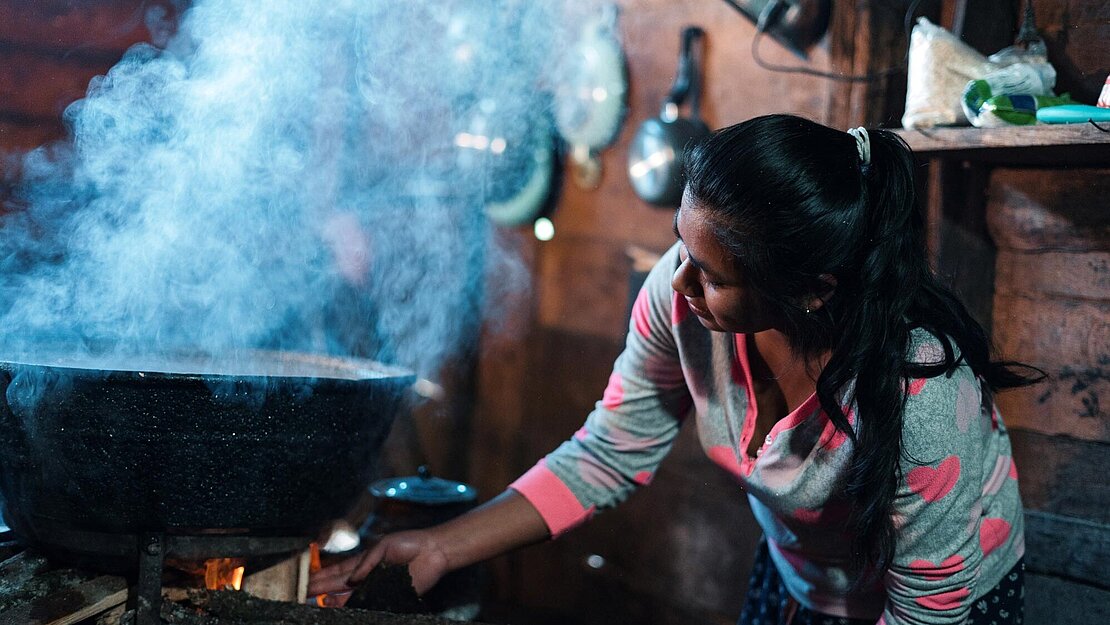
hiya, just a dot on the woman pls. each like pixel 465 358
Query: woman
pixel 849 393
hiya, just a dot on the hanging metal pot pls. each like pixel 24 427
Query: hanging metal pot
pixel 655 158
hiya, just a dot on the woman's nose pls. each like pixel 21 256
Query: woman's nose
pixel 683 281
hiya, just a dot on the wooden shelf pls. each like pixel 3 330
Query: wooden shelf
pixel 1043 144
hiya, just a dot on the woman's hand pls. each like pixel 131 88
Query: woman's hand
pixel 419 549
pixel 504 523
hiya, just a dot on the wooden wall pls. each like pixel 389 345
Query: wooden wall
pixel 1052 310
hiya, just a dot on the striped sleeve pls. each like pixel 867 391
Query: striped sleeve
pixel 631 428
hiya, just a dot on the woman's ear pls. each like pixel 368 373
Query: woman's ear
pixel 828 288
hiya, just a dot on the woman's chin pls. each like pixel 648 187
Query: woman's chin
pixel 710 324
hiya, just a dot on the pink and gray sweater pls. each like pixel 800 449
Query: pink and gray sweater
pixel 958 513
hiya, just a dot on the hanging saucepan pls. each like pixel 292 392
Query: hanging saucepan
pixel 656 155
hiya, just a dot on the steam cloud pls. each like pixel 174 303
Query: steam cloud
pixel 285 175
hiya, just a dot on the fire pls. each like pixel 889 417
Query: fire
pixel 223 574
pixel 313 566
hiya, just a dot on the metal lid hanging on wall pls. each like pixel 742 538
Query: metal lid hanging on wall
pixel 590 95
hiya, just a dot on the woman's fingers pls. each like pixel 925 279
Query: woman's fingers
pixel 410 548
pixel 336 600
pixel 333 578
pixel 367 563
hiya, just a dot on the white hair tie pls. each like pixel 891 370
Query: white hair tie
pixel 863 144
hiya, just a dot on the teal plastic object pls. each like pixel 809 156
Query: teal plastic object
pixel 1072 114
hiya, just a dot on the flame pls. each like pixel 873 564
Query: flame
pixel 313 566
pixel 223 574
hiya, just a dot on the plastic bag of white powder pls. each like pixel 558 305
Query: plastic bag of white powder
pixel 940 66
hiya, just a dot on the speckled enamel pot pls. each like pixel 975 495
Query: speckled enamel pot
pixel 128 451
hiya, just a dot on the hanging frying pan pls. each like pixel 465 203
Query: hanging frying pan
pixel 655 157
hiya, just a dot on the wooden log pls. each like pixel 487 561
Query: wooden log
pixel 1055 275
pixel 1053 333
pixel 866 39
pixel 1063 475
pixel 1041 210
pixel 965 256
pixel 279 582
pixel 1069 340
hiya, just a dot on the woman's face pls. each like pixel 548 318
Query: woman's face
pixel 722 299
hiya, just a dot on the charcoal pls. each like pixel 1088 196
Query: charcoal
pixel 388 589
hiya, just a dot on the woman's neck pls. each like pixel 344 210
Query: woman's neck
pixel 771 357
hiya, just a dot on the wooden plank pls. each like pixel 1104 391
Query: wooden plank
pixel 1062 475
pixel 69 605
pixel 277 583
pixel 17 136
pixel 1049 210
pixel 90 29
pixel 1076 32
pixel 1053 333
pixel 1050 599
pixel 964 252
pixel 970 141
pixel 1069 340
pixel 39 88
pixel 866 39
pixel 1056 275
pixel 1067 547
pixel 600 274
pixel 986 25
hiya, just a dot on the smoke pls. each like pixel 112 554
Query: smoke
pixel 286 175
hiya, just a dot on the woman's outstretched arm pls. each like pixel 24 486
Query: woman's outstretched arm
pixel 498 526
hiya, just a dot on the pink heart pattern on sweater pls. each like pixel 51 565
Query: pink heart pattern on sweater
pixel 935 572
pixel 614 392
pixel 992 534
pixel 934 483
pixel 944 600
pixel 640 314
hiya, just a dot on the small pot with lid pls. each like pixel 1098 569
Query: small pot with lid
pixel 420 501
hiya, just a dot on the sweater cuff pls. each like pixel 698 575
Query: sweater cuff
pixel 558 506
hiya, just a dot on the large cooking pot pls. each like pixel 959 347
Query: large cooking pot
pixel 276 445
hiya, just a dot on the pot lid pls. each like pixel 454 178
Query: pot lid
pixel 423 489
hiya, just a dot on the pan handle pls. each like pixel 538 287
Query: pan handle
pixel 687 67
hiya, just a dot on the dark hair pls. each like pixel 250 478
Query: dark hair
pixel 792 200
